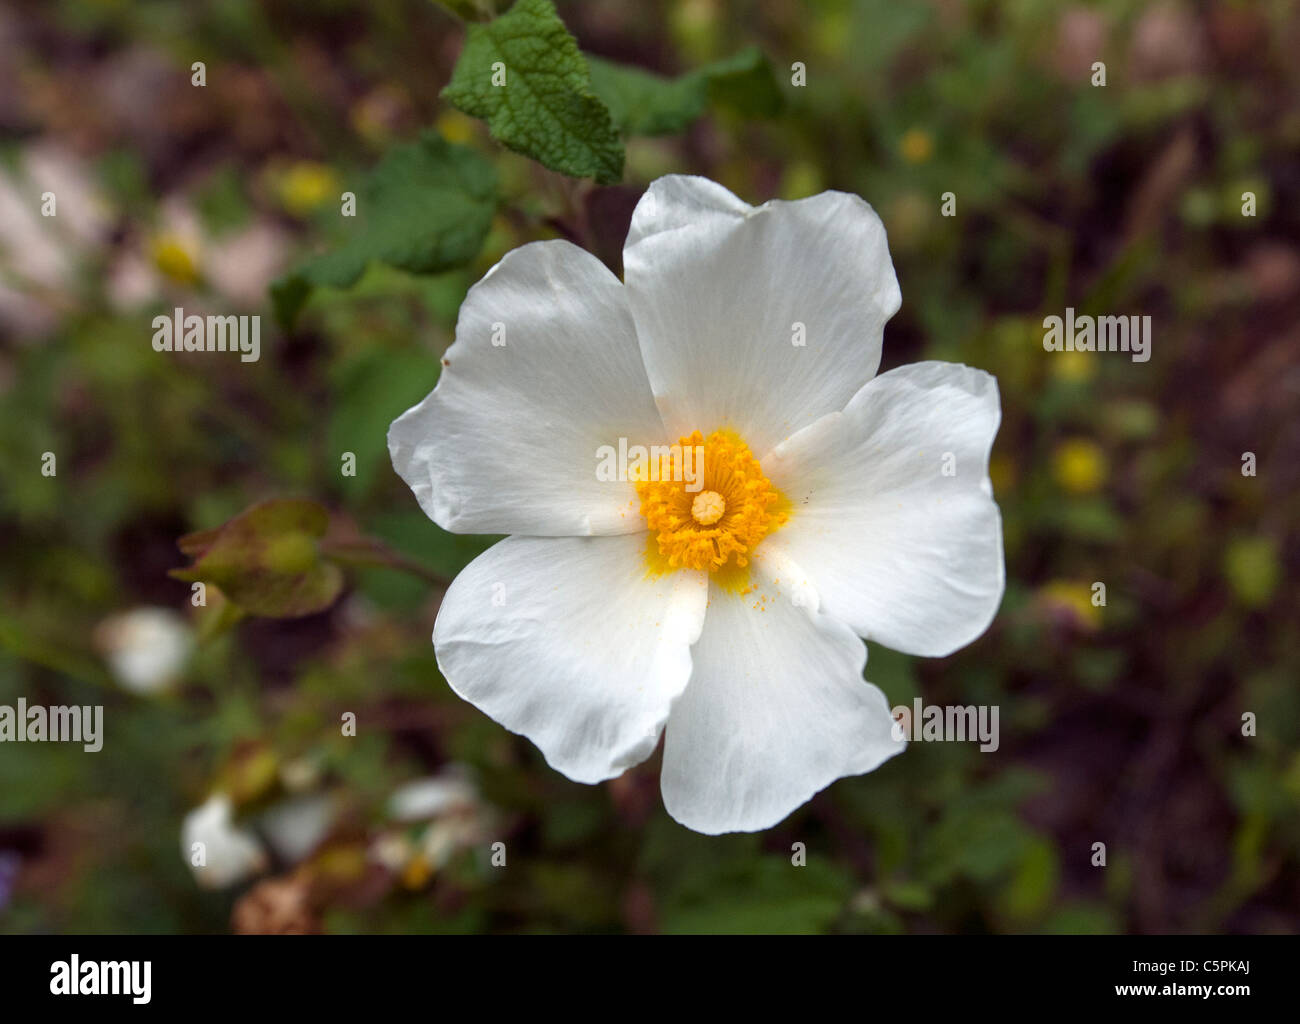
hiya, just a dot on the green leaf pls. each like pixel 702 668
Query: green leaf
pixel 643 103
pixel 426 208
pixel 912 896
pixel 267 560
pixel 1082 919
pixel 1029 892
pixel 759 897
pixel 894 673
pixel 542 103
pixel 52 653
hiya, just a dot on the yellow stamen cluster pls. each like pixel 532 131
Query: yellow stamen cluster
pixel 719 525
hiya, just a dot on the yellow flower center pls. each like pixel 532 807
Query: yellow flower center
pixel 714 528
pixel 707 508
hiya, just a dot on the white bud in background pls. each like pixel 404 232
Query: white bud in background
pixel 427 798
pixel 231 853
pixel 146 648
pixel 295 827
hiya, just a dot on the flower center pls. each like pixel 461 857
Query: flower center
pixel 707 508
pixel 717 527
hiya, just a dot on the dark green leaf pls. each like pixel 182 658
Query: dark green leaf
pixel 524 75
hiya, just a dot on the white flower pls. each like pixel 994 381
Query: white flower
pixel 146 648
pixel 219 852
pixel 430 797
pixel 240 264
pixel 851 507
pixel 451 816
pixel 296 826
pixel 42 246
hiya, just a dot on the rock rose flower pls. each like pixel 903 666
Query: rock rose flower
pixel 725 610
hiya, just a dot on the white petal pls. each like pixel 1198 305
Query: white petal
pixel 901 552
pixel 146 648
pixel 566 641
pixel 229 852
pixel 717 288
pixel 776 709
pixel 507 442
pixel 429 797
pixel 296 826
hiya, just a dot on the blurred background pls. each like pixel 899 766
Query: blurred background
pixel 1120 724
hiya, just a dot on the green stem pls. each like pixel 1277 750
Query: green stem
pixel 369 553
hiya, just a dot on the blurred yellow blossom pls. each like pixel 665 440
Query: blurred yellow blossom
pixel 1253 567
pixel 695 26
pixel 1074 366
pixel 417 872
pixel 306 186
pixel 1079 466
pixel 917 146
pixel 1072 600
pixel 456 127
pixel 173 259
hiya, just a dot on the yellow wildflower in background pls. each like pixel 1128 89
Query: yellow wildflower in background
pixel 173 259
pixel 1074 366
pixel 917 146
pixel 1073 599
pixel 306 186
pixel 1079 466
